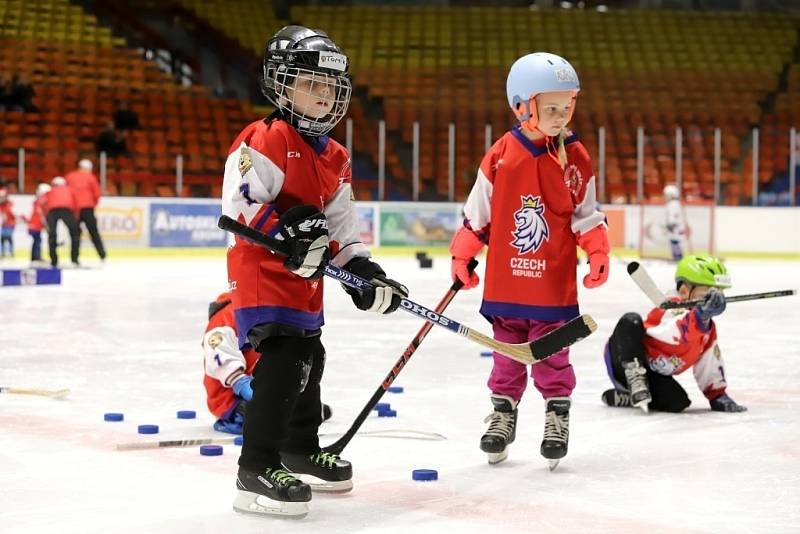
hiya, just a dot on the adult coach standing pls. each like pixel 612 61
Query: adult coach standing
pixel 87 193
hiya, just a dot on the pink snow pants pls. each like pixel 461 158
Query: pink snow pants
pixel 553 377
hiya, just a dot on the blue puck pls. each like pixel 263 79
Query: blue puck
pixel 486 354
pixel 148 429
pixel 382 406
pixel 187 414
pixel 113 417
pixel 387 413
pixel 424 474
pixel 238 440
pixel 395 389
pixel 210 450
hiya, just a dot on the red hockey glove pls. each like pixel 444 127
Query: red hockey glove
pixel 464 246
pixel 595 244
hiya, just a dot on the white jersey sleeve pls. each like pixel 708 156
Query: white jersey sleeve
pixel 478 208
pixel 710 373
pixel 254 174
pixel 224 361
pixel 343 226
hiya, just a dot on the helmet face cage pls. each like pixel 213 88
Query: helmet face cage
pixel 297 91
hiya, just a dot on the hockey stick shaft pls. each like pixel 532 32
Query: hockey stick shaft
pixel 735 298
pixel 52 393
pixel 338 446
pixel 142 445
pixel 527 353
pixel 193 442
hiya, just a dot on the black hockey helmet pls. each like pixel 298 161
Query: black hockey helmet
pixel 297 53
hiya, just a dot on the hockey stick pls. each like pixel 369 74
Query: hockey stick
pixel 338 446
pixel 224 440
pixel 642 278
pixel 399 433
pixel 142 445
pixel 669 305
pixel 52 393
pixel 527 353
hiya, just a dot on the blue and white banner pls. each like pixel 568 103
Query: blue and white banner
pixel 186 225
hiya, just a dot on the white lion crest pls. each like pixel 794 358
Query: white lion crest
pixel 531 225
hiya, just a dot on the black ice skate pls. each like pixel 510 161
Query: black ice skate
pixel 502 428
pixel 271 492
pixel 636 375
pixel 617 399
pixel 323 471
pixel 556 430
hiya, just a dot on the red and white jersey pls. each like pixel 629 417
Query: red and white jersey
pixel 271 168
pixel 224 362
pixel 676 340
pixel 529 210
pixel 675 223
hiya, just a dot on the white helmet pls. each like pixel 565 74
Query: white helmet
pixel 671 192
pixel 533 74
pixel 42 189
pixel 58 180
pixel 85 165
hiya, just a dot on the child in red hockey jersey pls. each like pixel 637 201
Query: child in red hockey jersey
pixel 532 203
pixel 7 223
pixel 228 370
pixel 643 356
pixel 36 223
pixel 284 176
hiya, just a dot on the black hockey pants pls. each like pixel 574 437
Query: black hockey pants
pixel 625 344
pixel 284 414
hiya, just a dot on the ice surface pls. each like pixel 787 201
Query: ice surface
pixel 127 338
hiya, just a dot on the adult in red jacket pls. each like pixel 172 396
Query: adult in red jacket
pixel 87 193
pixel 60 205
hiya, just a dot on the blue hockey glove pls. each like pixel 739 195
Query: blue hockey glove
pixel 243 389
pixel 724 403
pixel 713 305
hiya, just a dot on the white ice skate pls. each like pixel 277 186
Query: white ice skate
pixel 636 375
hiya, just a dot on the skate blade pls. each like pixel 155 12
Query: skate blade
pixel 326 486
pixel 497 457
pixel 552 464
pixel 247 502
pixel 643 405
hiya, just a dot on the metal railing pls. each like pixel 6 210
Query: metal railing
pixel 600 162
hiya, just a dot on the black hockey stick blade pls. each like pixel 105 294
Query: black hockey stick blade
pixel 736 298
pixel 562 337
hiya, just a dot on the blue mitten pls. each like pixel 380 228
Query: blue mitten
pixel 724 403
pixel 243 389
pixel 231 425
pixel 713 305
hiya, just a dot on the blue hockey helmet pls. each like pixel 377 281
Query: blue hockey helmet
pixel 533 74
